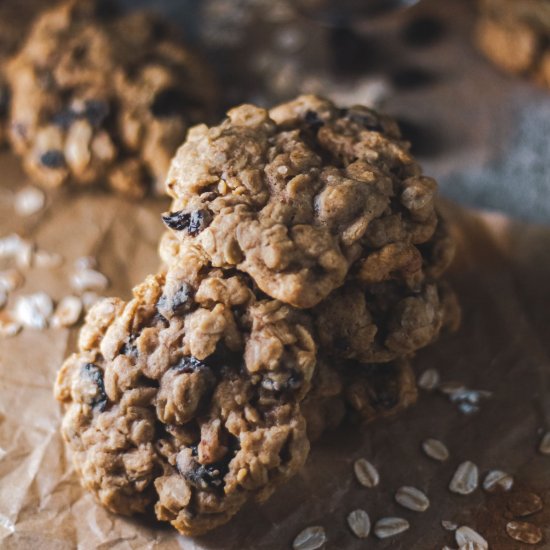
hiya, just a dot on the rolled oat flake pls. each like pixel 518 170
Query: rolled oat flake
pixel 449 525
pixel 412 498
pixel 34 310
pixel 496 480
pixel 523 531
pixel 390 527
pixel 366 474
pixel 89 279
pixel 429 379
pixel 465 535
pixel 67 312
pixel 310 538
pixel 359 523
pixel 465 479
pixel 544 447
pixel 524 504
pixel 435 449
pixel 29 200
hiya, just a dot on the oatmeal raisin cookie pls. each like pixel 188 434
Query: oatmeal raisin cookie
pixel 298 195
pixel 98 96
pixel 189 399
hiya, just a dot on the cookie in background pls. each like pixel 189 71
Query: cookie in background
pixel 102 98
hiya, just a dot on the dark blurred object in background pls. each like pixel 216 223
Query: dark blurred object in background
pixel 342 12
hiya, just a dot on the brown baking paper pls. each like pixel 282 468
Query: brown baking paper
pixel 502 275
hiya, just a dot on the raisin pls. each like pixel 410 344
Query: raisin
pixel 96 111
pixel 95 374
pixel 64 118
pixel 160 318
pixel 167 103
pixel 178 221
pixel 179 303
pixel 54 158
pixel 193 222
pixel 291 383
pixel 383 386
pixel 190 364
pixel 341 343
pixel 129 348
pixel 79 53
pixel 313 121
pixel 365 118
pixel 198 221
pixel 209 476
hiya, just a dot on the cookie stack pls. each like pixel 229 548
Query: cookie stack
pixel 302 270
pixel 515 36
pixel 99 97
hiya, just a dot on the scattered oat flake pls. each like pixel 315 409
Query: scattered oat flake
pixel 465 480
pixel 497 480
pixel 451 387
pixel 33 310
pixel 8 325
pixel 10 279
pixel 366 474
pixel 468 408
pixel 14 247
pixel 465 395
pixel 29 201
pixel 544 446
pixel 85 262
pixel 67 312
pixel 523 531
pixel 47 260
pixel 389 527
pixel 449 525
pixel 429 379
pixel 412 498
pixel 90 298
pixel 310 538
pixel 465 535
pixel 524 504
pixel 10 245
pixel 435 449
pixel 88 279
pixel 359 523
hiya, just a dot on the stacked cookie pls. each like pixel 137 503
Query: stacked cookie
pixel 302 271
pixel 515 35
pixel 101 97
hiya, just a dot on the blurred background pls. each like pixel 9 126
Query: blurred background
pixel 482 133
